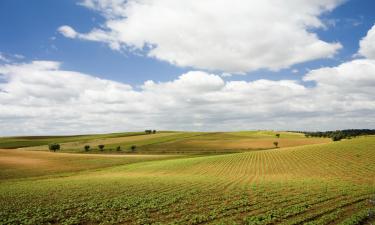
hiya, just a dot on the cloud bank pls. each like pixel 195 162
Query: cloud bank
pixel 41 98
pixel 218 35
pixel 367 44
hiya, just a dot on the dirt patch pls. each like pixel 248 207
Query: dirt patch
pixel 20 161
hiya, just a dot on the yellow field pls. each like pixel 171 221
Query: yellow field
pixel 105 141
pixel 243 144
pixel 223 142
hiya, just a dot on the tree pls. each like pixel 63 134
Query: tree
pixel 54 147
pixel 87 148
pixel 133 147
pixel 336 137
pixel 118 148
pixel 154 131
pixel 276 143
pixel 278 135
pixel 101 147
pixel 148 131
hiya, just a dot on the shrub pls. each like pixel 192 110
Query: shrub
pixel 87 148
pixel 276 143
pixel 54 147
pixel 118 148
pixel 133 147
pixel 277 135
pixel 101 147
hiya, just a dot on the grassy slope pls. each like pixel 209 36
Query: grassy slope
pixel 327 183
pixel 124 142
pixel 192 142
pixel 226 142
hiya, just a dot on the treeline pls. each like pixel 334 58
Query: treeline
pixel 340 134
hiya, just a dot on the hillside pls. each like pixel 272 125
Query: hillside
pixel 168 142
pixel 331 183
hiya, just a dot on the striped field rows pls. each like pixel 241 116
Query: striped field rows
pixel 317 184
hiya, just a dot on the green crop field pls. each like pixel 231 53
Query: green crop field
pixel 303 181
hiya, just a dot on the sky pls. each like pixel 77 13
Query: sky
pixel 94 66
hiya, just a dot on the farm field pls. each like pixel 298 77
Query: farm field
pixel 234 142
pixel 326 183
pixel 27 141
pixel 187 142
pixel 25 164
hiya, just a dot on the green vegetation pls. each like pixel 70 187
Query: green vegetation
pixel 101 147
pixel 326 183
pixel 54 147
pixel 340 134
pixel 87 148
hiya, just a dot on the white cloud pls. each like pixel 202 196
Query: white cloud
pixel 67 31
pixel 367 44
pixel 41 98
pixel 230 36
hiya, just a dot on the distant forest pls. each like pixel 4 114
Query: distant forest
pixel 340 134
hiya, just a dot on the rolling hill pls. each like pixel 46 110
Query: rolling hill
pixel 327 183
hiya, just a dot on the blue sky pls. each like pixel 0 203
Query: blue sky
pixel 29 28
pixel 91 66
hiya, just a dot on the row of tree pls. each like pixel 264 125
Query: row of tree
pixel 101 148
pixel 55 147
pixel 150 131
pixel 340 134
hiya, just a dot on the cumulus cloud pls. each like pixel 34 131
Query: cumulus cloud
pixel 227 35
pixel 367 44
pixel 41 98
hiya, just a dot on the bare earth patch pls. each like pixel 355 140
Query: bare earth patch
pixel 21 163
